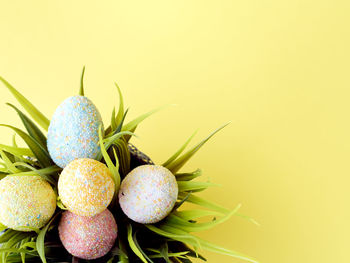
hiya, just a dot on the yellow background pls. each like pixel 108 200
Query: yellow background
pixel 279 70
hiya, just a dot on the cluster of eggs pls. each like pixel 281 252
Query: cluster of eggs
pixel 87 229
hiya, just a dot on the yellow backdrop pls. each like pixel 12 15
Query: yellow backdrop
pixel 279 70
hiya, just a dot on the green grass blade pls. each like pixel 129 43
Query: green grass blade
pixel 81 90
pixel 114 169
pixel 131 126
pixel 40 153
pixel 178 254
pixel 31 128
pixel 207 245
pixel 140 249
pixel 40 240
pixel 188 176
pixel 133 246
pixel 172 233
pixel 196 227
pixel 165 252
pixel 248 218
pixel 121 152
pixel 43 173
pixel 123 258
pixel 29 107
pixel 195 214
pixel 2 227
pixel 111 140
pixel 185 186
pixel 218 249
pixel 9 165
pixel 177 164
pixel 17 151
pixel 120 113
pixel 176 154
pixel 204 203
pixel 121 123
pixel 113 122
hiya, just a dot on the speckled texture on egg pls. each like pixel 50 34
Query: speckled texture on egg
pixel 86 187
pixel 88 237
pixel 73 131
pixel 26 201
pixel 148 193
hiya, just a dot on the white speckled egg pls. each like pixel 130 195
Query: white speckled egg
pixel 73 131
pixel 148 193
pixel 88 237
pixel 26 201
pixel 86 187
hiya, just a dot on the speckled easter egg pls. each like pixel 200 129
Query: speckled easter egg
pixel 73 131
pixel 148 193
pixel 26 201
pixel 88 237
pixel 86 187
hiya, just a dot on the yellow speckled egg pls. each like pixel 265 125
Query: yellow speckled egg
pixel 26 202
pixel 86 187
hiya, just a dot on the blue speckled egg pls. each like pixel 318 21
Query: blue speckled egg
pixel 73 131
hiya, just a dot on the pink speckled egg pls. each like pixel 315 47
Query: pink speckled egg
pixel 88 237
pixel 148 193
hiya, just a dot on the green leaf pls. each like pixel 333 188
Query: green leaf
pixel 178 254
pixel 195 213
pixel 218 249
pixel 188 176
pixel 185 186
pixel 182 201
pixel 7 235
pixel 175 155
pixel 169 232
pixel 2 227
pixel 164 252
pixel 113 168
pixel 60 204
pixel 9 165
pixel 248 218
pixel 202 202
pixel 40 153
pixel 29 107
pixel 205 244
pixel 111 140
pixel 123 256
pixel 31 128
pixel 177 164
pixel 133 246
pixel 178 222
pixel 23 255
pixel 121 106
pixel 17 151
pixel 121 152
pixel 44 171
pixel 131 126
pixel 81 91
pixel 121 123
pixel 113 122
pixel 40 240
pixel 140 249
pixel 16 238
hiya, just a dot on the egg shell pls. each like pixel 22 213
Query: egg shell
pixel 73 131
pixel 26 201
pixel 148 193
pixel 88 237
pixel 86 187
